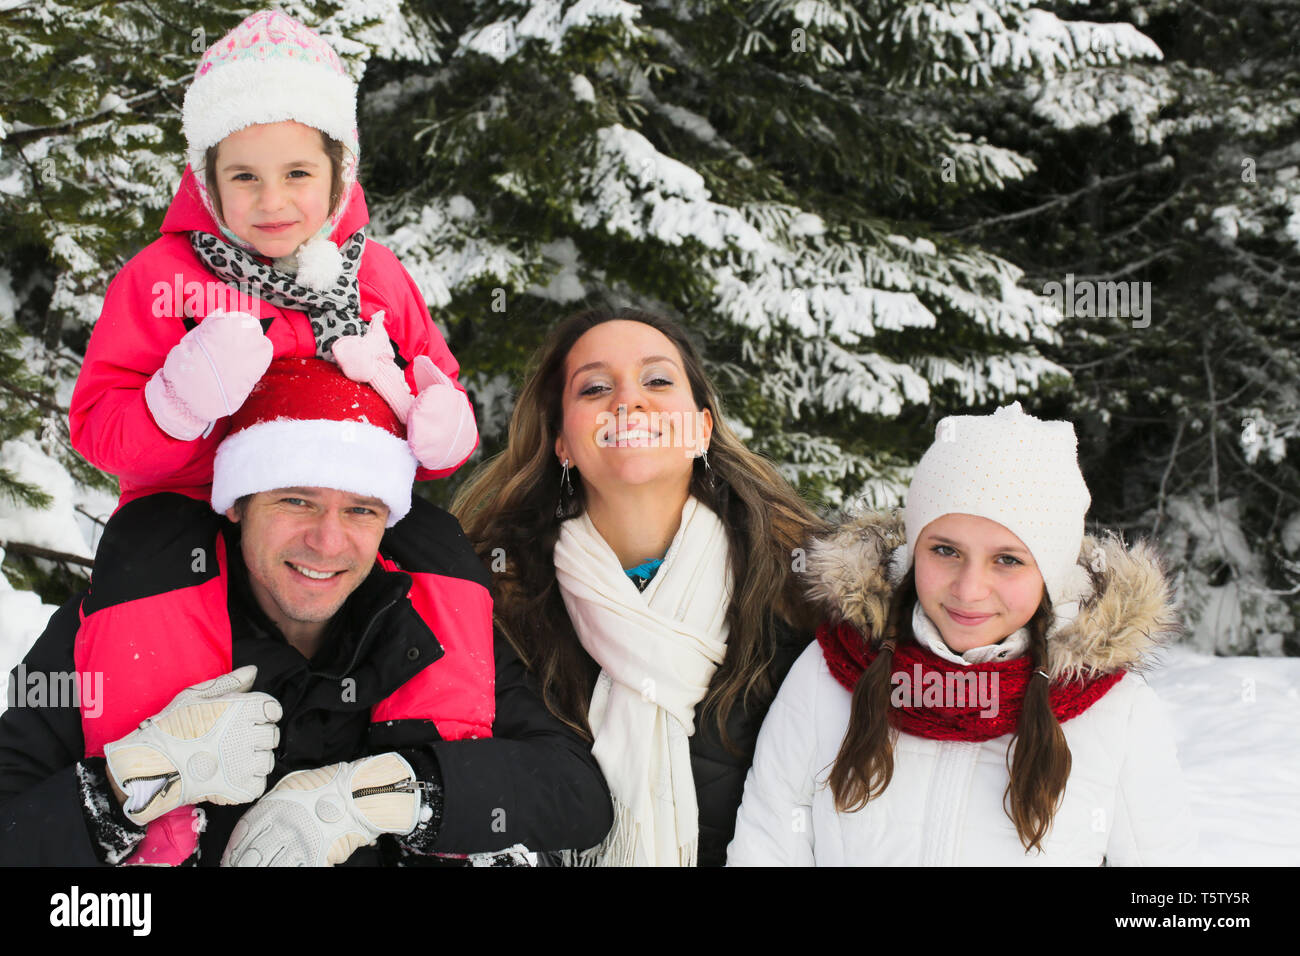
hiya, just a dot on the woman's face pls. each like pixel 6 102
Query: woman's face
pixel 629 416
pixel 975 580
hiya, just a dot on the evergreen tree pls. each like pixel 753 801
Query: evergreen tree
pixel 1184 175
pixel 753 167
pixel 763 170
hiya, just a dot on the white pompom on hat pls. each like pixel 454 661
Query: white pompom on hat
pixel 270 69
pixel 1012 468
pixel 307 425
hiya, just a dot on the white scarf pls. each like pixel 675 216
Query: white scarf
pixel 657 649
pixel 928 636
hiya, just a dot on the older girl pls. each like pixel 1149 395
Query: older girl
pixel 973 697
pixel 645 564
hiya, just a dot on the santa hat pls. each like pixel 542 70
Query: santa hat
pixel 270 69
pixel 1014 469
pixel 306 424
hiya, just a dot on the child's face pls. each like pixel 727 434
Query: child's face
pixel 975 580
pixel 273 180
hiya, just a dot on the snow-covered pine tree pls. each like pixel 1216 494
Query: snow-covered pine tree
pixel 760 169
pixel 1183 174
pixel 752 167
pixel 90 155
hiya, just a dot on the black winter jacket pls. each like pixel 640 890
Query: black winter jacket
pixel 533 783
pixel 719 773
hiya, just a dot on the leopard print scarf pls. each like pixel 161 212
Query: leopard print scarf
pixel 334 313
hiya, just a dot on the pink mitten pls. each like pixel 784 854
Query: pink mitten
pixel 368 358
pixel 170 840
pixel 441 428
pixel 208 374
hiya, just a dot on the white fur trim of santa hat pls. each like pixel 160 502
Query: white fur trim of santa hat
pixel 288 453
pixel 1012 468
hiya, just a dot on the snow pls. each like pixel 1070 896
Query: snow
pixel 565 284
pixel 819 13
pixel 583 91
pixel 59 527
pixel 391 32
pixel 22 619
pixel 985 163
pixel 439 245
pixel 985 378
pixel 54 527
pixel 494 399
pixel 1092 97
pixel 1237 725
pixel 1227 603
pixel 69 249
pixel 547 23
pixel 634 189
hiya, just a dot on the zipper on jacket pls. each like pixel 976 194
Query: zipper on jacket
pixel 131 788
pixel 361 643
pixel 397 786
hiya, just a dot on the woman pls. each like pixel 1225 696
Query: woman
pixel 644 562
pixel 972 699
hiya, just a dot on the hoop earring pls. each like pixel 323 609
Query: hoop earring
pixel 566 490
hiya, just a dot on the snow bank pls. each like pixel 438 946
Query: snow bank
pixel 1237 721
pixel 22 619
pixel 61 527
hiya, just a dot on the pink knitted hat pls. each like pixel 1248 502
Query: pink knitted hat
pixel 270 69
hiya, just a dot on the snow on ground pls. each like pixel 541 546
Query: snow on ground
pixel 1237 721
pixel 60 527
pixel 22 619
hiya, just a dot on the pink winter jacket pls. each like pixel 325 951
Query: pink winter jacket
pixel 162 293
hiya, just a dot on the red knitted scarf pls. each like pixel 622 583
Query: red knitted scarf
pixel 927 692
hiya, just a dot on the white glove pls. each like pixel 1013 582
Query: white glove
pixel 320 817
pixel 212 743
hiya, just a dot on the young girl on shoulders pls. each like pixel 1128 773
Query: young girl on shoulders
pixel 263 255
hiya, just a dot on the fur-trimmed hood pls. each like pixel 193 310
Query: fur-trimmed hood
pixel 1125 608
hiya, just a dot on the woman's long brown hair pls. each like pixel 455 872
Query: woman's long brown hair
pixel 1038 770
pixel 508 510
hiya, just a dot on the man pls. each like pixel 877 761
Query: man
pixel 316 631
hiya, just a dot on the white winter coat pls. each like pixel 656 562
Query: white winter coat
pixel 1125 801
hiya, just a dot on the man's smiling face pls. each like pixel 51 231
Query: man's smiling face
pixel 307 550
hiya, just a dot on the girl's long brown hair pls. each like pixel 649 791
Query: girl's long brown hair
pixel 1038 769
pixel 508 510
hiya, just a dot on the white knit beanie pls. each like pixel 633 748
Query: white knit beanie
pixel 1014 469
pixel 270 69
